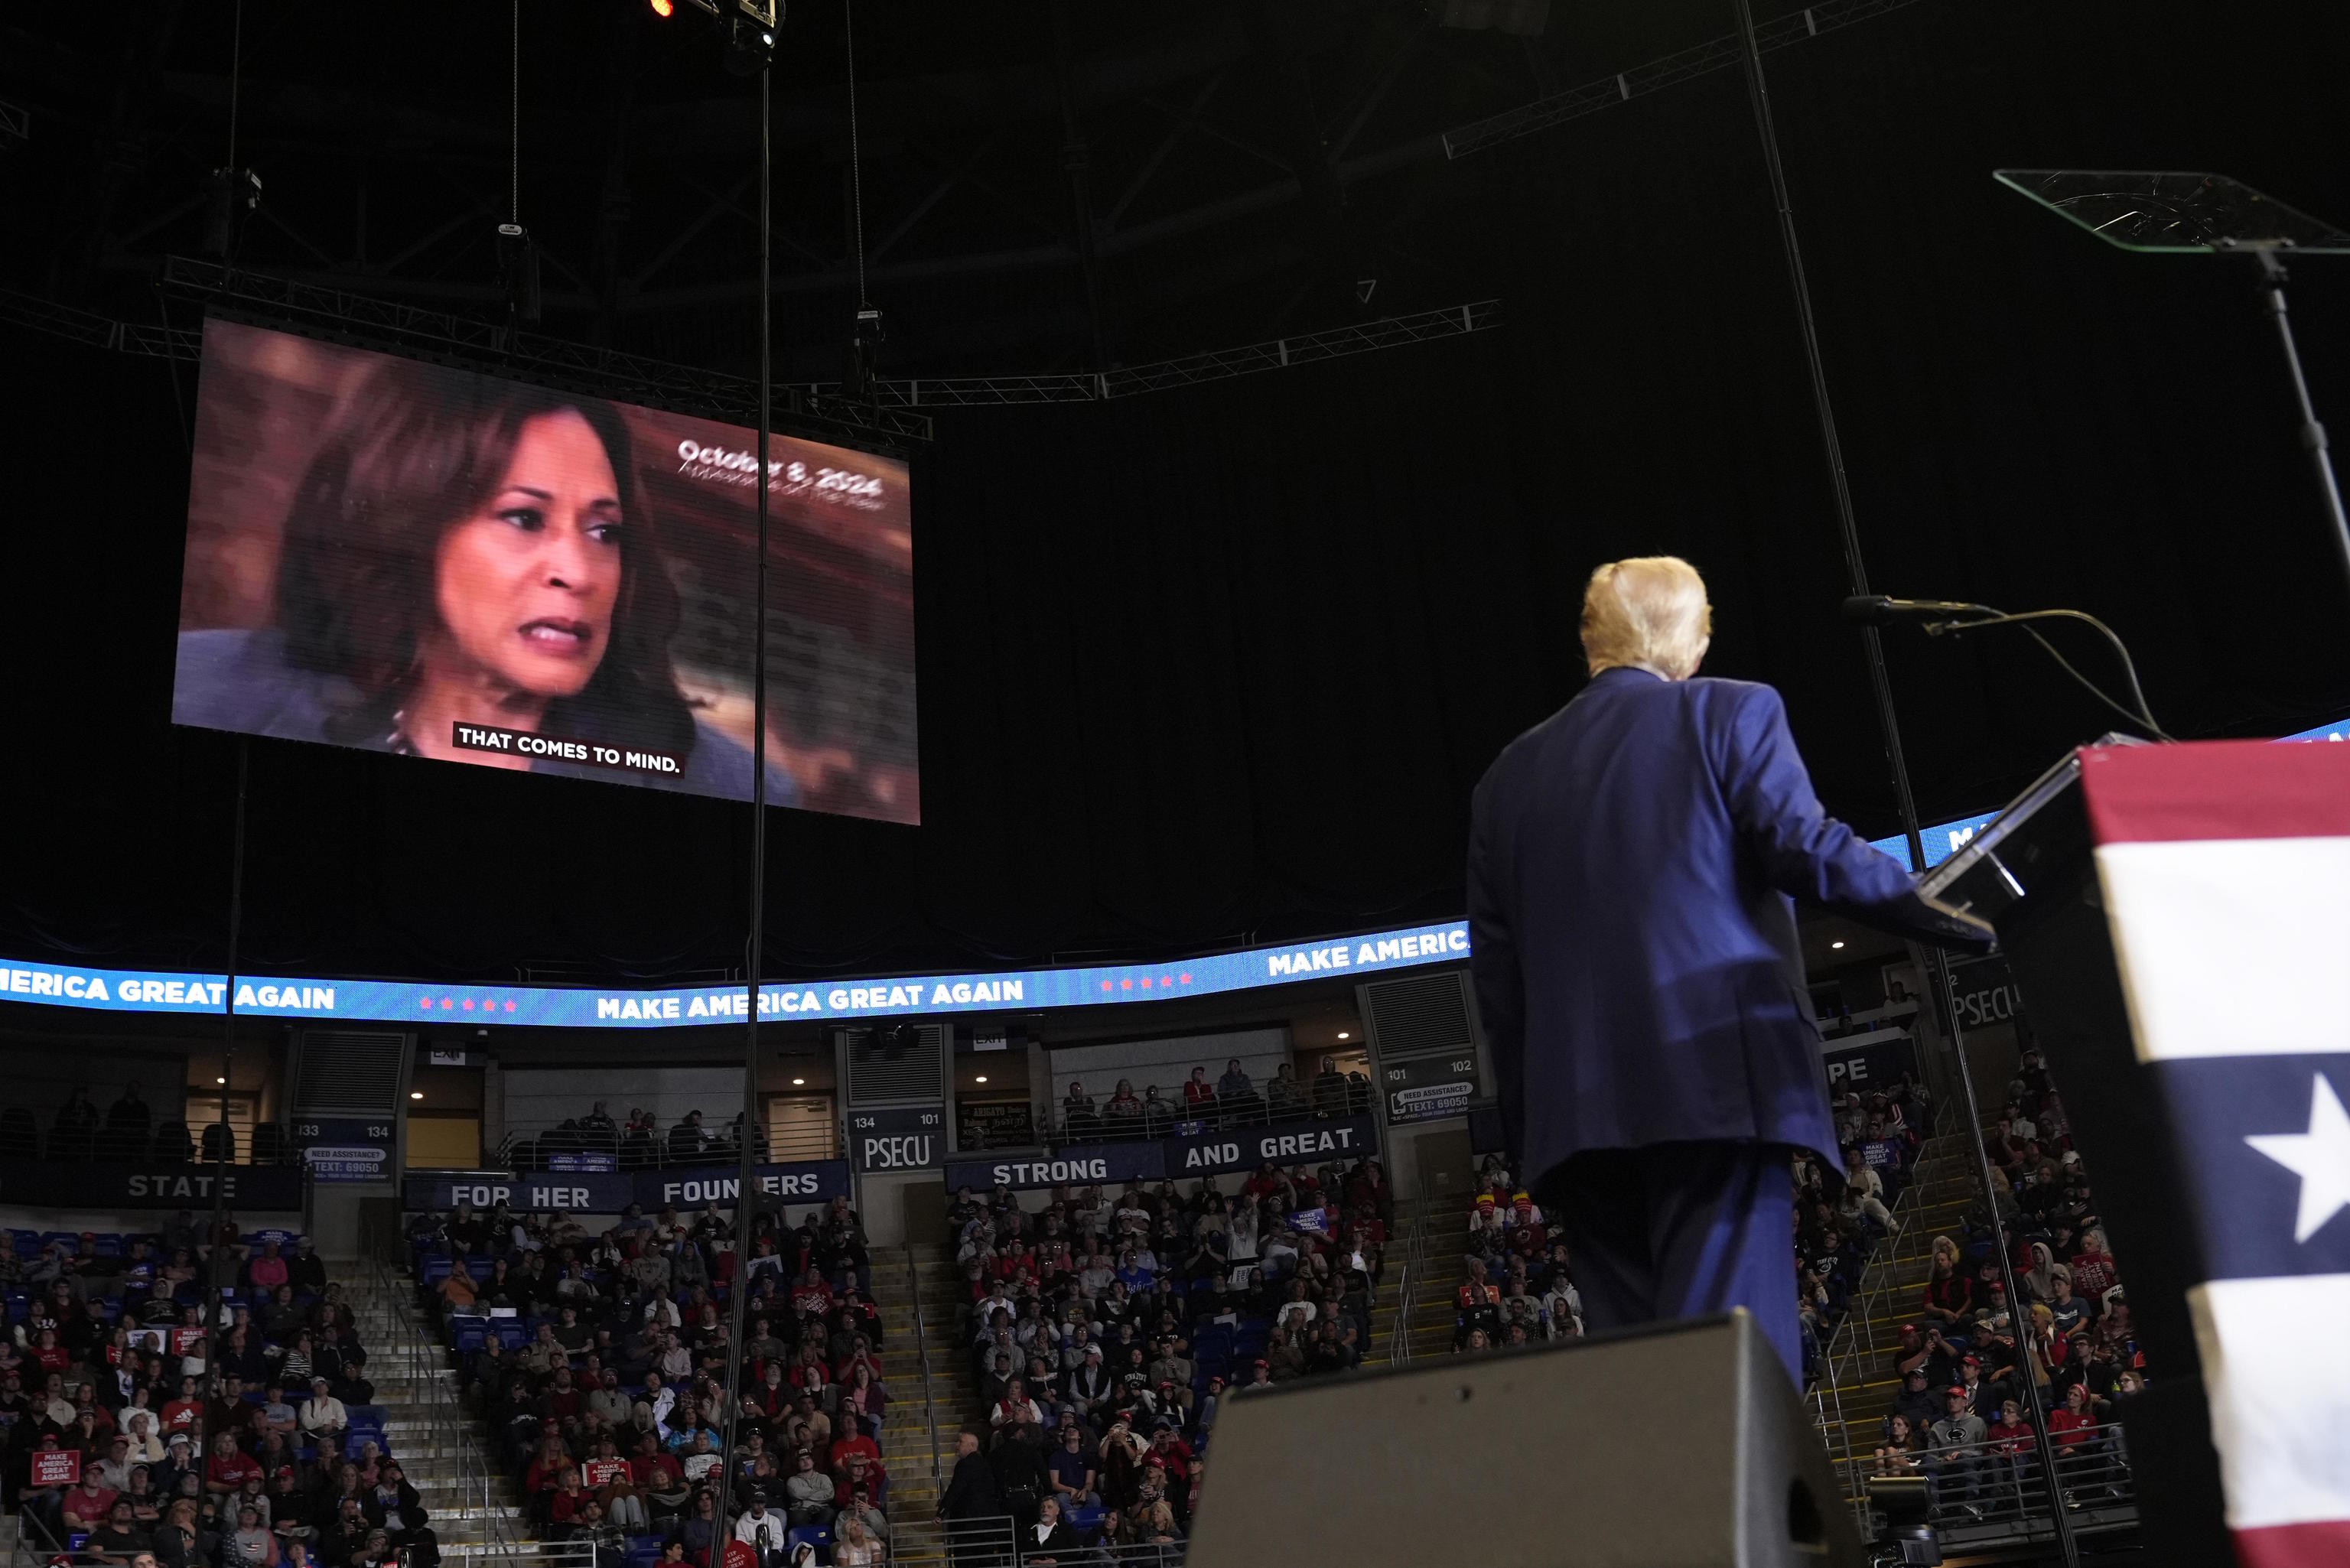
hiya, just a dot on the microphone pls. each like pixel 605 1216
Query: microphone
pixel 1876 610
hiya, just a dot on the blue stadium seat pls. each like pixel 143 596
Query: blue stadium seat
pixel 817 1536
pixel 1087 1518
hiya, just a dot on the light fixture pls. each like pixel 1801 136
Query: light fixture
pixel 750 46
pixel 664 8
pixel 981 1079
pixel 797 1082
pixel 1835 944
pixel 1344 1035
pixel 415 1093
pixel 220 1080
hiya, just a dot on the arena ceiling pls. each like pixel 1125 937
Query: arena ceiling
pixel 1211 666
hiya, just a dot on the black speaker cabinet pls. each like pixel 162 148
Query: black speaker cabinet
pixel 1682 1445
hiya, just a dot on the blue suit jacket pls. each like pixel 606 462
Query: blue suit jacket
pixel 1630 863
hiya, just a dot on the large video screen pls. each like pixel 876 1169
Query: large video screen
pixel 405 557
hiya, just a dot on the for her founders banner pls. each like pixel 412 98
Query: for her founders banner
pixel 609 1192
pixel 409 558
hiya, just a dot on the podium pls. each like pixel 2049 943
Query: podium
pixel 2177 919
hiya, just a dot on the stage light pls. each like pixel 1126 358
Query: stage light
pixel 664 8
pixel 1344 1035
pixel 982 1078
pixel 1835 944
pixel 797 1082
pixel 750 46
pixel 220 1080
pixel 415 1093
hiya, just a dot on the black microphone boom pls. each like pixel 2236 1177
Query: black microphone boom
pixel 1877 610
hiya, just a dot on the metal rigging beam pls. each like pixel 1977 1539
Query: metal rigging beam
pixel 1714 55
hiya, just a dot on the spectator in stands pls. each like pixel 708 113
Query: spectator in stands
pixel 808 1494
pixel 761 1531
pixel 1235 1094
pixel 1079 1119
pixel 856 1545
pixel 323 1414
pixel 1199 1094
pixel 1050 1540
pixel 2073 1425
pixel 251 1544
pixel 1285 1098
pixel 1124 1110
pixel 269 1270
pixel 1070 1472
pixel 688 1141
pixel 120 1538
pixel 1954 1445
pixel 1915 1402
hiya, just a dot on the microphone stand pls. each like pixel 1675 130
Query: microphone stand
pixel 2142 715
pixel 1880 681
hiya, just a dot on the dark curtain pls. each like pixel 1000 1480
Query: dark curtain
pixel 1225 663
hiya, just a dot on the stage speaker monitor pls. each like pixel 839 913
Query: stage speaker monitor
pixel 1683 1446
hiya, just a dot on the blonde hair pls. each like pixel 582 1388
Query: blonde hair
pixel 1650 611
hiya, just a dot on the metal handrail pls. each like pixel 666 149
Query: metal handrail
pixel 445 1423
pixel 1415 1266
pixel 1853 1349
pixel 1986 1498
pixel 531 1147
pixel 922 1353
pixel 25 1556
pixel 1173 1119
pixel 540 1554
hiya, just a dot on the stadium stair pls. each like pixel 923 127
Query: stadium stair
pixel 1850 1401
pixel 441 1448
pixel 1441 1226
pixel 901 1275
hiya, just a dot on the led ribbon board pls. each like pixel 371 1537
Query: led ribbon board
pixel 377 1001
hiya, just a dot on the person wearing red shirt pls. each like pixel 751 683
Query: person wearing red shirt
pixel 812 1295
pixel 2093 1268
pixel 86 1506
pixel 1169 1449
pixel 2074 1424
pixel 1478 1303
pixel 854 1442
pixel 227 1466
pixel 182 1414
pixel 269 1270
pixel 2011 1434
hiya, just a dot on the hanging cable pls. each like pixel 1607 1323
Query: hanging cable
pixel 514 162
pixel 235 76
pixel 856 163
